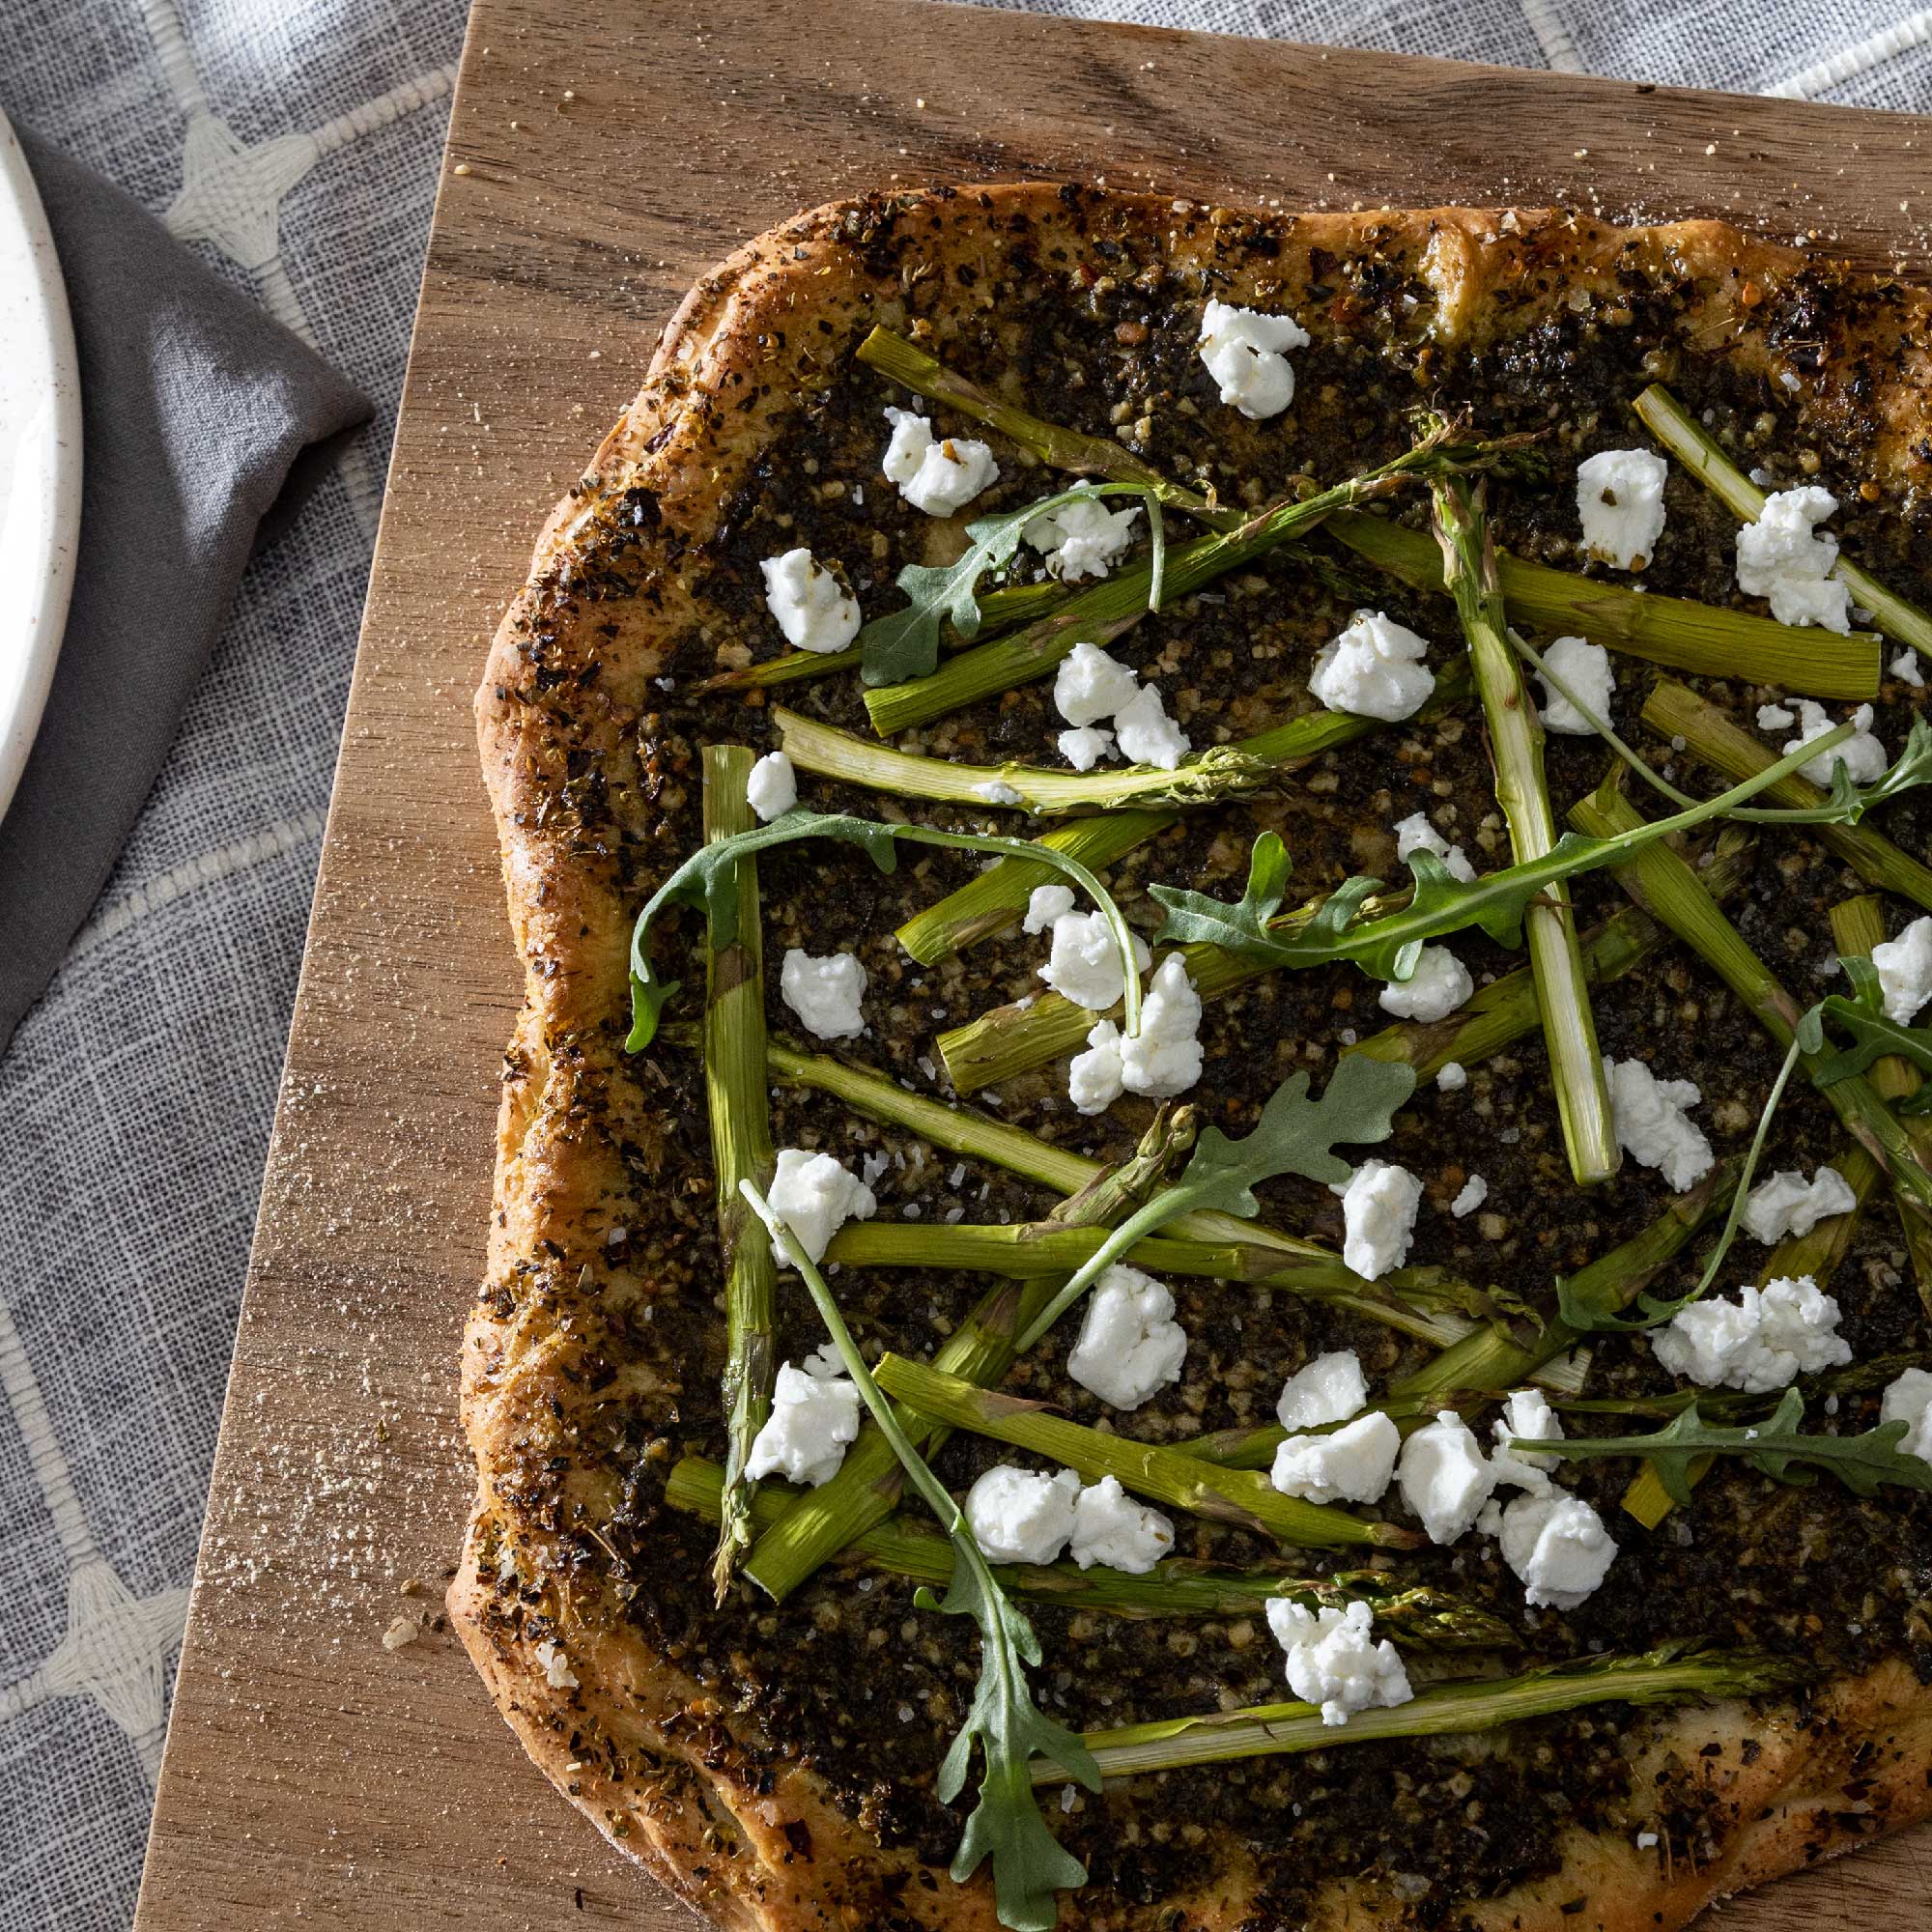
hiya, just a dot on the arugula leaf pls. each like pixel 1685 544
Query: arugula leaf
pixel 904 643
pixel 709 878
pixel 1295 1135
pixel 1912 767
pixel 1773 1446
pixel 1030 1866
pixel 1874 1032
pixel 1240 928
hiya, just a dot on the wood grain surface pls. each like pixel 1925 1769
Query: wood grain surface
pixel 601 156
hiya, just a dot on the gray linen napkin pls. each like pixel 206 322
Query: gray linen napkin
pixel 205 423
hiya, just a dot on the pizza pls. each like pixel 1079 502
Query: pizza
pixel 1211 1205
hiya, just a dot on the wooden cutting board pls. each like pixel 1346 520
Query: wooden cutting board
pixel 601 156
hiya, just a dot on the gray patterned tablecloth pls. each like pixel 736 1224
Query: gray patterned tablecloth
pixel 296 143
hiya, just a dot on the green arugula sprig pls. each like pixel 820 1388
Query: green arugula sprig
pixel 1030 1866
pixel 1874 1032
pixel 709 879
pixel 1388 947
pixel 904 643
pixel 1295 1135
pixel 1773 1446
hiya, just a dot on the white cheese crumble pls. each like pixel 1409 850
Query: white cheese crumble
pixel 1083 538
pixel 1652 1125
pixel 997 791
pixel 1094 1081
pixel 816 1197
pixel 1438 985
pixel 813 1418
pixel 772 788
pixel 1906 665
pixel 1017 1516
pixel 1130 1344
pixel 1909 1400
pixel 1761 1341
pixel 1415 833
pixel 1444 1476
pixel 1246 353
pixel 1090 685
pixel 815 609
pixel 1084 964
pixel 1783 558
pixel 556 1670
pixel 824 992
pixel 1864 755
pixel 1379 1209
pixel 1084 746
pixel 1164 1058
pixel 1787 1204
pixel 1620 500
pixel 1469 1197
pixel 1525 1413
pixel 1776 718
pixel 1905 971
pixel 1334 1661
pixel 1044 905
pixel 1586 669
pixel 1352 1464
pixel 936 474
pixel 1332 1388
pixel 1147 734
pixel 1374 668
pixel 1558 1548
pixel 1453 1076
pixel 1112 1529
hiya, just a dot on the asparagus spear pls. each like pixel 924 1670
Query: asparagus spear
pixel 1693 447
pixel 1418 1618
pixel 1663 1676
pixel 741 1148
pixel 1674 631
pixel 1668 889
pixel 1244 1498
pixel 1516 745
pixel 1674 711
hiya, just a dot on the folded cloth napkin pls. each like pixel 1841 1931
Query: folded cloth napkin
pixel 203 420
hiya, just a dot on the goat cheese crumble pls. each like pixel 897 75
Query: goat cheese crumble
pixel 824 992
pixel 813 1418
pixel 1018 1515
pixel 1452 1076
pixel 1445 1477
pixel 1044 905
pixel 1090 685
pixel 1652 1125
pixel 1332 1388
pixel 814 1196
pixel 1334 1661
pixel 1469 1197
pixel 1163 1059
pixel 1620 500
pixel 937 474
pixel 1147 735
pixel 1763 1341
pixel 1129 1344
pixel 1909 1400
pixel 1415 833
pixel 1374 668
pixel 1083 538
pixel 1246 353
pixel 772 788
pixel 1864 757
pixel 1438 985
pixel 1084 964
pixel 1352 1464
pixel 1905 971
pixel 1787 1204
pixel 1114 1530
pixel 1379 1209
pixel 815 609
pixel 1558 1548
pixel 1586 669
pixel 1776 718
pixel 1084 746
pixel 1782 556
pixel 1525 1413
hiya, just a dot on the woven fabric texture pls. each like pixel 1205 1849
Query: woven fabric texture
pixel 296 145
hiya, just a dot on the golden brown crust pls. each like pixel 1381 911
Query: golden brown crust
pixel 635 1743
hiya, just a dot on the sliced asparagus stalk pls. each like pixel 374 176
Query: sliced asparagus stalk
pixel 1693 447
pixel 1674 631
pixel 1516 745
pixel 1244 1498
pixel 1675 711
pixel 821 1522
pixel 1419 1618
pixel 1665 1676
pixel 741 1148
pixel 1668 889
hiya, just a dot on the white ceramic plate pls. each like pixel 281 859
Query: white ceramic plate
pixel 40 461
